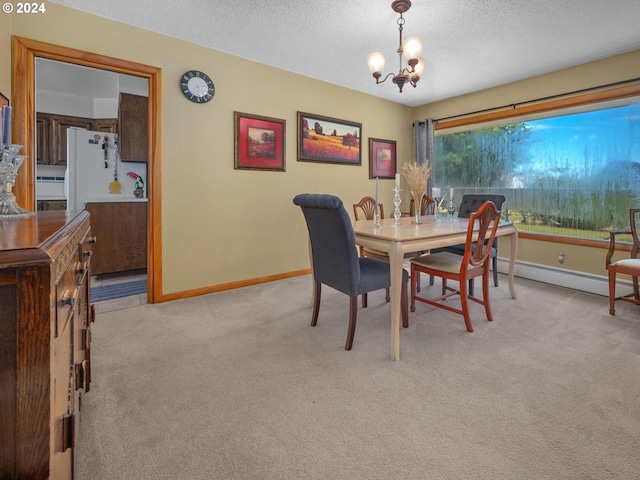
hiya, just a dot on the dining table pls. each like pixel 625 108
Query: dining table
pixel 406 236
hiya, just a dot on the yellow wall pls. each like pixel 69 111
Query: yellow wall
pixel 223 225
pixel 602 72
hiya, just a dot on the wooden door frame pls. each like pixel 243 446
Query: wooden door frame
pixel 25 52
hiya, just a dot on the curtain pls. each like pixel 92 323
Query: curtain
pixel 423 132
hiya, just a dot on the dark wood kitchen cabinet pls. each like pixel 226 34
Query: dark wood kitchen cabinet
pixel 51 134
pixel 45 361
pixel 42 205
pixel 42 138
pixel 133 128
pixel 121 228
pixel 58 125
pixel 107 125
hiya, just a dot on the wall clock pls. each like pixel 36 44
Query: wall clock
pixel 197 86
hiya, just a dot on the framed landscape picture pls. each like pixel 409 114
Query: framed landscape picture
pixel 259 143
pixel 382 158
pixel 328 140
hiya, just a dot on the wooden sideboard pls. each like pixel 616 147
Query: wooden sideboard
pixel 45 363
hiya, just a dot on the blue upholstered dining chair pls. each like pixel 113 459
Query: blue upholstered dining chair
pixel 335 259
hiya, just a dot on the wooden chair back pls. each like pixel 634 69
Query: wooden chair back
pixel 368 207
pixel 479 252
pixel 427 204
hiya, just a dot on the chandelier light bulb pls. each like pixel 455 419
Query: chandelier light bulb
pixel 412 47
pixel 419 68
pixel 376 62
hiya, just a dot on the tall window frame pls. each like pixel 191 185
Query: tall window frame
pixel 547 107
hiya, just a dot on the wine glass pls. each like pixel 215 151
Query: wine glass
pixel 451 208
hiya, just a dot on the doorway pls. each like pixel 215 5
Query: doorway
pixel 25 51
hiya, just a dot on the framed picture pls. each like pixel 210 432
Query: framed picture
pixel 3 101
pixel 260 143
pixel 328 140
pixel 382 158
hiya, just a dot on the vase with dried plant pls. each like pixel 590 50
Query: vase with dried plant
pixel 417 176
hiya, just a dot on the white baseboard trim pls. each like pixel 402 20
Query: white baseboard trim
pixel 586 282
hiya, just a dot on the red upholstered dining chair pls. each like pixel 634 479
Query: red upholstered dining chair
pixel 626 266
pixel 367 206
pixel 475 262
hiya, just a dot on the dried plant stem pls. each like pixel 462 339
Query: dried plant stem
pixel 417 176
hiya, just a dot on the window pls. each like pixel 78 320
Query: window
pixel 571 172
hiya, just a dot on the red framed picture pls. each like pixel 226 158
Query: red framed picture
pixel 382 158
pixel 260 143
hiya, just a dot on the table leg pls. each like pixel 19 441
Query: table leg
pixel 512 263
pixel 396 257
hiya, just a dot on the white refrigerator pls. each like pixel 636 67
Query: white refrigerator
pixel 94 171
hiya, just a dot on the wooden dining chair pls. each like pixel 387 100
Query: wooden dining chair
pixel 335 258
pixel 427 206
pixel 473 264
pixel 470 202
pixel 367 207
pixel 626 266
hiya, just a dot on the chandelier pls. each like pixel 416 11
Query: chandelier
pixel 412 49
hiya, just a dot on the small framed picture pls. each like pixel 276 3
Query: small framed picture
pixel 3 100
pixel 259 143
pixel 382 158
pixel 328 140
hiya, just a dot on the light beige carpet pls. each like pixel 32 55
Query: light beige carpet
pixel 237 385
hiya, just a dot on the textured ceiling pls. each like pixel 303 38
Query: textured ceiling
pixel 470 45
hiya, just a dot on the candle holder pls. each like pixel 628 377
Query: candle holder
pixel 436 207
pixel 10 162
pixel 451 209
pixel 376 218
pixel 396 202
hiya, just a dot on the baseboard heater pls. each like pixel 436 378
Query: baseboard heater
pixel 586 282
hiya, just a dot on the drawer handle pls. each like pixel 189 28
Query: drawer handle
pixel 79 374
pixel 68 430
pixel 91 240
pixel 81 268
pixel 70 300
pixel 87 253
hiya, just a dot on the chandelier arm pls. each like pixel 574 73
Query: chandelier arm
pixel 384 79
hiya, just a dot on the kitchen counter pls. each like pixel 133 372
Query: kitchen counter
pixel 116 198
pixel 50 197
